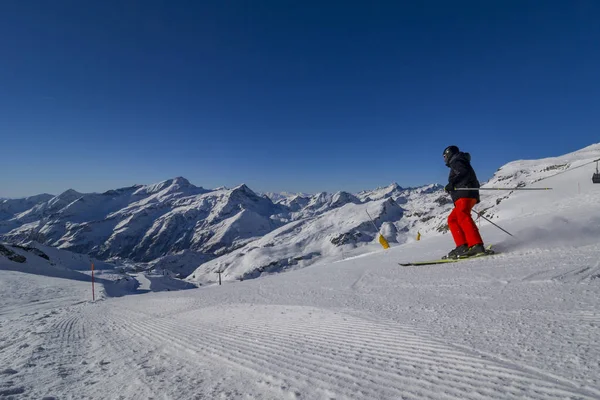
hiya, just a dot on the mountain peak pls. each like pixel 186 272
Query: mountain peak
pixel 341 198
pixel 170 185
pixel 180 180
pixel 68 195
pixel 243 188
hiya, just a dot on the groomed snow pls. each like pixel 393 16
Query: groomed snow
pixel 521 324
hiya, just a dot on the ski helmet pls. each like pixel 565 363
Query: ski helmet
pixel 449 152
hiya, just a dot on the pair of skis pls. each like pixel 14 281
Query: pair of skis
pixel 488 252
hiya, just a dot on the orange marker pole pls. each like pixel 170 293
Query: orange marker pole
pixel 93 292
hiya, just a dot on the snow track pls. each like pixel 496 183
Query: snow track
pixel 270 351
pixel 521 325
pixel 298 339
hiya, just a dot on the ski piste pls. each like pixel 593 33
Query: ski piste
pixel 488 252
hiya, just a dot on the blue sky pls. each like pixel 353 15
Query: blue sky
pixel 288 95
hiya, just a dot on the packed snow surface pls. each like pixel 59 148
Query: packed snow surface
pixel 521 324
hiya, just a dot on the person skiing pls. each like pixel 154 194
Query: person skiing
pixel 464 230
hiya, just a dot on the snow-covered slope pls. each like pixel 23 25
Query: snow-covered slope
pixel 424 210
pixel 174 224
pixel 282 197
pixel 144 223
pixel 328 225
pixel 295 203
pixel 10 207
pixel 110 279
pixel 37 259
pixel 393 190
pixel 429 215
pixel 302 242
pixel 323 202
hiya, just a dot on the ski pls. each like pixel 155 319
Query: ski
pixel 488 252
pixel 431 262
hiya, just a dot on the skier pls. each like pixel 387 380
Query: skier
pixel 464 230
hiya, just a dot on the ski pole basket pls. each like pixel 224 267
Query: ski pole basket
pixel 596 176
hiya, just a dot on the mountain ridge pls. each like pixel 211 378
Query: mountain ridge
pixel 159 222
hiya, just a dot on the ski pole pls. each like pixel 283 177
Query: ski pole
pixel 375 226
pixel 382 239
pixel 516 188
pixel 503 230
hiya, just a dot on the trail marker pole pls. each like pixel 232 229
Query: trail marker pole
pixel 93 291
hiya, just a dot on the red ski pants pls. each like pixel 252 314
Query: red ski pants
pixel 462 226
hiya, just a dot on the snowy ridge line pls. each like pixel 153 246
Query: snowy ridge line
pixel 240 351
pixel 568 170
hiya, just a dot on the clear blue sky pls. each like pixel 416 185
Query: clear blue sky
pixel 288 95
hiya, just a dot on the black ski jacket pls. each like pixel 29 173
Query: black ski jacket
pixel 462 175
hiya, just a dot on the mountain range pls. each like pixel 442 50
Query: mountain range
pixel 195 231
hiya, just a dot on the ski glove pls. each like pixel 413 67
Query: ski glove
pixel 448 188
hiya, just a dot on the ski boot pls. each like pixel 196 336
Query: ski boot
pixel 474 251
pixel 457 252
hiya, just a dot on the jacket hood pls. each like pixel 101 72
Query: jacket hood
pixel 458 156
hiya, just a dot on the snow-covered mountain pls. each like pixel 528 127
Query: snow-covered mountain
pixel 306 240
pixel 295 203
pixel 184 228
pixel 11 207
pixel 278 197
pixel 399 213
pixel 144 223
pixel 178 226
pixel 329 225
pixel 520 324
